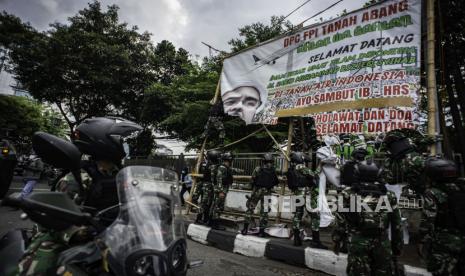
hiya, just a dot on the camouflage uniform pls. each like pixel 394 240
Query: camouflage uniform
pixel 46 245
pixel 69 185
pixel 198 192
pixel 224 179
pixel 370 251
pixel 207 191
pixel 315 215
pixel 302 192
pixel 258 194
pixel 215 122
pixel 444 244
pixel 410 170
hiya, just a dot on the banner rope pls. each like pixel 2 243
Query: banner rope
pixel 240 140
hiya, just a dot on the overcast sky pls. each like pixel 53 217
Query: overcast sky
pixel 183 22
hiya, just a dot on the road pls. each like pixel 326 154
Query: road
pixel 216 262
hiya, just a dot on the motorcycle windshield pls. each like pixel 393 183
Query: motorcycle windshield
pixel 150 214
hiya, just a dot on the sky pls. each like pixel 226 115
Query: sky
pixel 186 23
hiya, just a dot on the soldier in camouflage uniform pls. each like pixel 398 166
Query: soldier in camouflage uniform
pixel 223 179
pixel 443 219
pixel 404 162
pixel 263 180
pixel 370 252
pixel 197 194
pixel 97 189
pixel 208 180
pixel 215 122
pixel 300 180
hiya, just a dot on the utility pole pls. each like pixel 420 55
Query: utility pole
pixel 433 129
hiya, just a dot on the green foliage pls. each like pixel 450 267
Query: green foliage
pixel 92 66
pixel 22 117
pixel 143 144
pixel 251 35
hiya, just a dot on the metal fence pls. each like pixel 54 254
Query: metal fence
pixel 245 162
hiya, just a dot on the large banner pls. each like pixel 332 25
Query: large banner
pixel 359 73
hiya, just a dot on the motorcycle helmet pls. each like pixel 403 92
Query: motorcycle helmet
pixel 102 137
pixel 227 156
pixel 213 156
pixel 297 157
pixel 441 170
pixel 359 154
pixel 397 144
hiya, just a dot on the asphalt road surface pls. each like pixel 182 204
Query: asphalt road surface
pixel 215 261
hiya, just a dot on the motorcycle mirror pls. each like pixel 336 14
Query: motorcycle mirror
pixel 194 264
pixel 56 151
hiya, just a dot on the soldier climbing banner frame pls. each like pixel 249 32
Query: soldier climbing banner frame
pixel 358 73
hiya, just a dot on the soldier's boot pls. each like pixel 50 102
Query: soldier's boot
pixel 198 219
pixel 316 242
pixel 297 239
pixel 261 232
pixel 206 218
pixel 245 229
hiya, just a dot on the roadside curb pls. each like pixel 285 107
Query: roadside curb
pixel 252 246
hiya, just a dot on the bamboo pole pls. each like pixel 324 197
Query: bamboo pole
pixel 431 76
pixel 202 149
pixel 289 143
pixel 286 163
pixel 286 155
pixel 196 171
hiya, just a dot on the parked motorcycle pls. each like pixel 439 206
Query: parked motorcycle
pixel 147 237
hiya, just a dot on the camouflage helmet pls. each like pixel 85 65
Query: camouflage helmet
pixel 441 170
pixel 268 158
pixel 213 156
pixel 297 157
pixel 227 156
pixel 358 143
pixel 397 143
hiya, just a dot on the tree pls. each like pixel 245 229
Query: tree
pixel 251 35
pixel 22 117
pixel 93 66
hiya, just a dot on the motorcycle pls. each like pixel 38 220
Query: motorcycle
pixel 146 238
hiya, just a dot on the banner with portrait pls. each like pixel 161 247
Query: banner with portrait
pixel 358 73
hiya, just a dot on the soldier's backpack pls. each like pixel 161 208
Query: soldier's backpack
pixel 456 202
pixel 454 206
pixel 267 178
pixel 207 177
pixel 370 222
pixel 348 173
pixel 295 179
